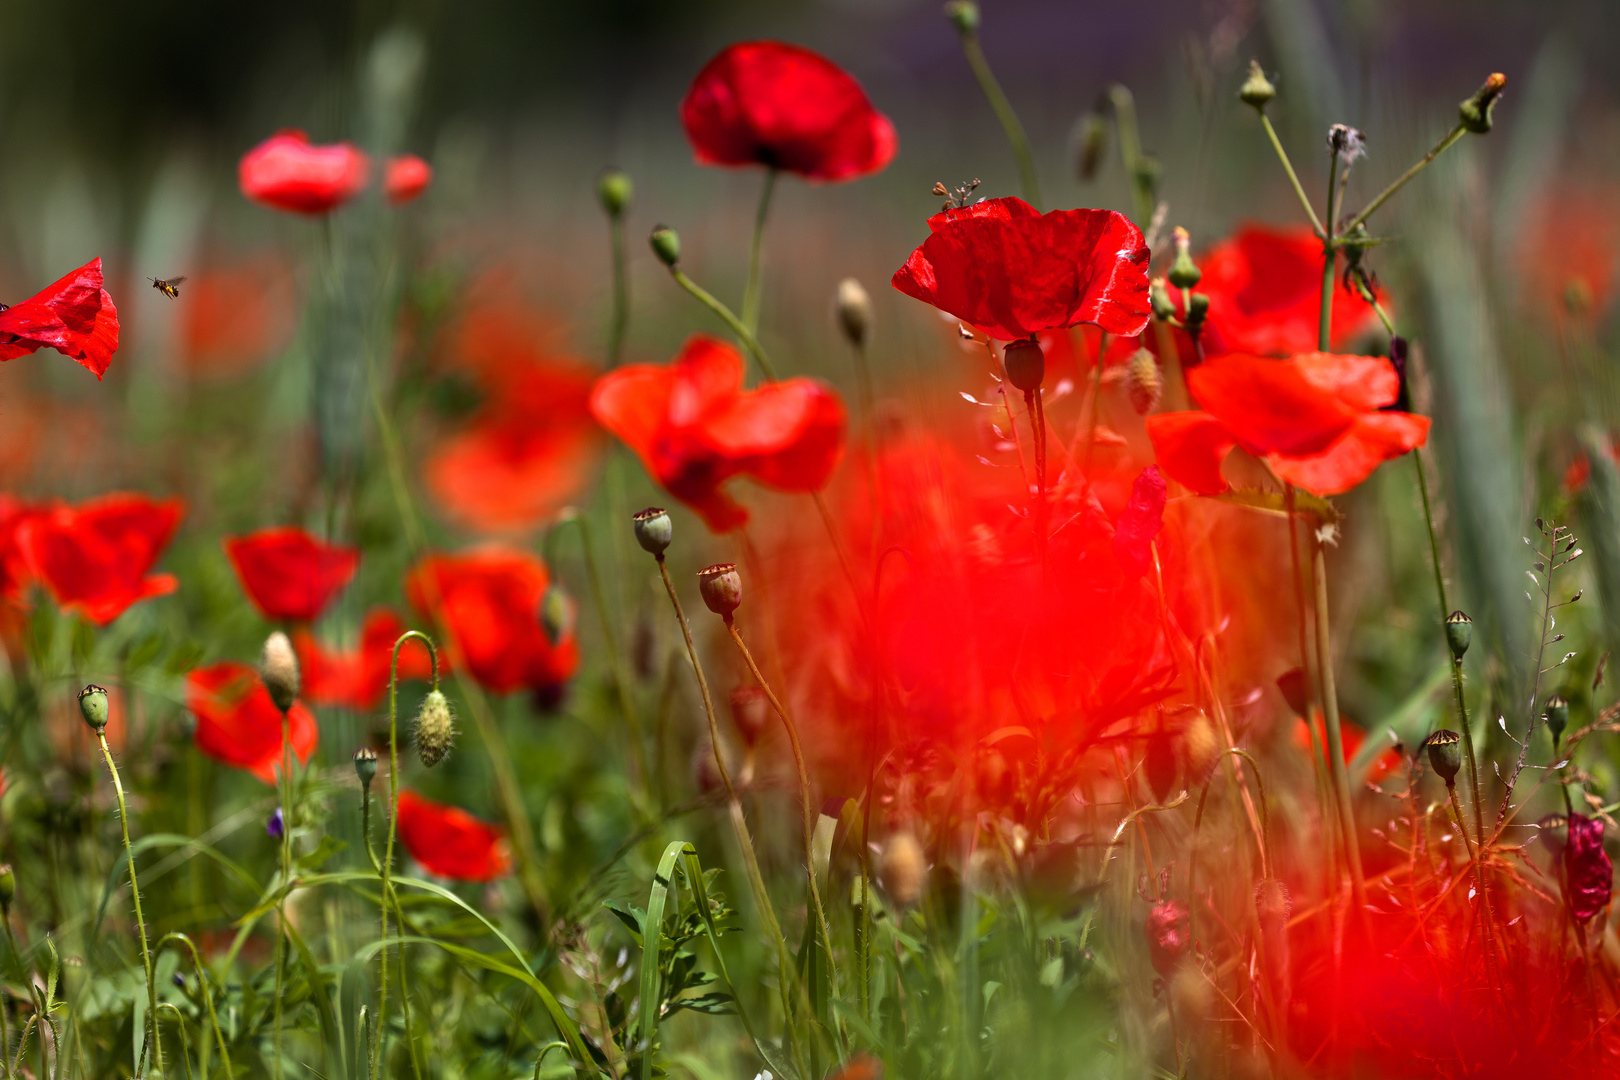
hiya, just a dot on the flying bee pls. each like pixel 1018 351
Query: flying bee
pixel 169 287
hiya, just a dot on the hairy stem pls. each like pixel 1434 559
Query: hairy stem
pixel 1330 711
pixel 1293 178
pixel 140 920
pixel 286 875
pixel 1384 196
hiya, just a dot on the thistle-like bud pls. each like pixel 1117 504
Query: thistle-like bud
pixel 556 614
pixel 1159 297
pixel 1143 382
pixel 365 766
pixel 1557 717
pixel 1025 364
pixel 8 887
pixel 654 530
pixel 93 706
pixel 613 191
pixel 1184 273
pixel 1256 89
pixel 964 15
pixel 278 667
pixel 666 244
pixel 435 729
pixel 854 311
pixel 1475 113
pixel 903 869
pixel 1459 633
pixel 750 712
pixel 1090 143
pixel 1445 754
pixel 721 587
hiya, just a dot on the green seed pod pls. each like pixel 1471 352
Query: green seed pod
pixel 1475 113
pixel 1557 717
pixel 1025 364
pixel 964 15
pixel 654 530
pixel 1459 633
pixel 365 766
pixel 278 667
pixel 435 729
pixel 613 191
pixel 854 311
pixel 1184 273
pixel 666 244
pixel 721 587
pixel 8 887
pixel 556 614
pixel 1445 754
pixel 1257 89
pixel 93 706
pixel 1143 382
pixel 1159 297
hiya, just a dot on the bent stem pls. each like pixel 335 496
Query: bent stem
pixel 710 301
pixel 140 920
pixel 1293 178
pixel 1003 109
pixel 207 995
pixel 1384 196
pixel 752 290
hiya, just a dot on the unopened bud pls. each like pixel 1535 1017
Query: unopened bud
pixel 854 311
pixel 1159 297
pixel 666 244
pixel 1475 113
pixel 964 15
pixel 721 587
pixel 654 530
pixel 278 667
pixel 275 826
pixel 1090 144
pixel 365 766
pixel 1257 89
pixel 1184 273
pixel 1459 633
pixel 1445 754
pixel 435 729
pixel 1143 382
pixel 750 712
pixel 1557 717
pixel 556 614
pixel 903 869
pixel 8 886
pixel 1025 364
pixel 613 190
pixel 93 706
pixel 1200 748
pixel 1197 312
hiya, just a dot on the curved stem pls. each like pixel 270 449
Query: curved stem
pixel 135 893
pixel 710 301
pixel 207 996
pixel 751 290
pixel 180 1022
pixel 1293 178
pixel 1003 109
pixel 1384 196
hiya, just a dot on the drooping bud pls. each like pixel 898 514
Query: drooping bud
pixel 750 712
pixel 654 530
pixel 1295 690
pixel 964 15
pixel 1143 382
pixel 1159 297
pixel 1557 717
pixel 278 667
pixel 8 887
pixel 435 728
pixel 1256 89
pixel 1475 113
pixel 1459 633
pixel 365 766
pixel 903 869
pixel 613 191
pixel 1168 936
pixel 1184 273
pixel 1445 754
pixel 1025 364
pixel 556 614
pixel 854 311
pixel 666 244
pixel 1159 763
pixel 721 587
pixel 93 706
pixel 1090 143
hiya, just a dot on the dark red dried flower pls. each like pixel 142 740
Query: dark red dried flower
pixel 1169 936
pixel 1140 522
pixel 74 316
pixel 289 574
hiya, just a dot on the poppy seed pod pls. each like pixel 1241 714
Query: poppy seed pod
pixel 278 667
pixel 854 311
pixel 721 587
pixel 365 766
pixel 654 530
pixel 556 614
pixel 1557 717
pixel 1143 383
pixel 1459 633
pixel 1184 273
pixel 903 870
pixel 1475 113
pixel 613 191
pixel 1256 89
pixel 93 706
pixel 435 729
pixel 1025 364
pixel 750 712
pixel 1445 754
pixel 8 887
pixel 964 15
pixel 666 244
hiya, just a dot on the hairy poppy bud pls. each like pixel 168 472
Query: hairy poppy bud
pixel 435 729
pixel 1557 717
pixel 654 530
pixel 556 614
pixel 365 766
pixel 721 587
pixel 903 870
pixel 666 244
pixel 1200 747
pixel 1295 691
pixel 1160 764
pixel 1090 143
pixel 278 667
pixel 1445 754
pixel 1256 89
pixel 613 190
pixel 1184 273
pixel 964 15
pixel 93 706
pixel 1272 906
pixel 854 311
pixel 1459 633
pixel 750 712
pixel 1475 113
pixel 1025 364
pixel 8 886
pixel 1159 297
pixel 1143 382
pixel 1168 936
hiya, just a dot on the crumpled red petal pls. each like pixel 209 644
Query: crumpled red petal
pixel 1190 447
pixel 451 843
pixel 1139 523
pixel 1591 874
pixel 74 316
pixel 1372 439
pixel 1270 405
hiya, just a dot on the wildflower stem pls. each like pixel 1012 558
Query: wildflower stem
pixel 1330 260
pixel 207 995
pixel 1293 178
pixel 1003 109
pixel 140 920
pixel 621 290
pixel 1324 785
pixel 1130 149
pixel 1330 711
pixel 1384 196
pixel 708 300
pixel 752 289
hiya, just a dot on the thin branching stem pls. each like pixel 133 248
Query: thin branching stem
pixel 1384 196
pixel 1293 178
pixel 745 335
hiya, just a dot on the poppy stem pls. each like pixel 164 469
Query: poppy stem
pixel 752 288
pixel 1330 261
pixel 1293 177
pixel 1123 103
pixel 140 920
pixel 1324 785
pixel 1384 196
pixel 1028 178
pixel 621 290
pixel 286 875
pixel 710 301
pixel 1335 735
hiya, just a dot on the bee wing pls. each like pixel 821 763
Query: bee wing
pixel 177 280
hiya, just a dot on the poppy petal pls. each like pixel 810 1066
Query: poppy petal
pixel 289 574
pixel 1361 382
pixel 238 724
pixel 449 842
pixel 1372 439
pixel 1191 447
pixel 1269 405
pixel 74 316
pixel 286 172
pixel 96 558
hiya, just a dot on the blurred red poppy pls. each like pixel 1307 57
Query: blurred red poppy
pixel 238 725
pixel 359 679
pixel 451 843
pixel 695 427
pixel 1265 295
pixel 1351 736
pixel 96 557
pixel 235 315
pixel 1011 271
pixel 406 177
pixel 1317 419
pixel 1566 249
pixel 285 172
pixel 487 602
pixel 74 316
pixel 783 106
pixel 289 574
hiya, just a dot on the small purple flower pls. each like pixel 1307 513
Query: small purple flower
pixel 1590 873
pixel 276 826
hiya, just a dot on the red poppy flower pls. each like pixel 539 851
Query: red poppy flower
pixel 74 316
pixel 289 574
pixel 695 427
pixel 406 177
pixel 238 724
pixel 1012 271
pixel 1351 736
pixel 285 172
pixel 359 679
pixel 1590 873
pixel 488 602
pixel 1317 419
pixel 95 558
pixel 450 842
pixel 1265 295
pixel 779 105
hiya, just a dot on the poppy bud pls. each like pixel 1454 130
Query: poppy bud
pixel 1557 717
pixel 1167 936
pixel 275 827
pixel 1200 747
pixel 1146 174
pixel 93 706
pixel 1159 297
pixel 1257 89
pixel 1090 143
pixel 1445 754
pixel 1295 690
pixel 654 530
pixel 1197 311
pixel 721 587
pixel 435 729
pixel 1459 633
pixel 964 15
pixel 666 244
pixel 1554 832
pixel 903 869
pixel 750 712
pixel 1184 273
pixel 1475 113
pixel 1160 764
pixel 613 190
pixel 278 667
pixel 1272 903
pixel 1025 364
pixel 556 614
pixel 854 311
pixel 1143 382
pixel 365 765
pixel 8 887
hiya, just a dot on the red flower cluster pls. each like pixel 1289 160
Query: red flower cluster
pixel 359 679
pixel 450 842
pixel 289 574
pixel 695 427
pixel 74 316
pixel 238 725
pixel 286 172
pixel 779 105
pixel 96 558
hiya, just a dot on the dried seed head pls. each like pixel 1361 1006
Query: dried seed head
pixel 903 869
pixel 666 244
pixel 1459 633
pixel 556 614
pixel 654 530
pixel 721 587
pixel 1347 142
pixel 1475 113
pixel 365 765
pixel 1143 382
pixel 750 712
pixel 1257 89
pixel 1445 754
pixel 278 667
pixel 854 311
pixel 8 886
pixel 435 729
pixel 1025 364
pixel 1557 717
pixel 613 191
pixel 1184 273
pixel 93 706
